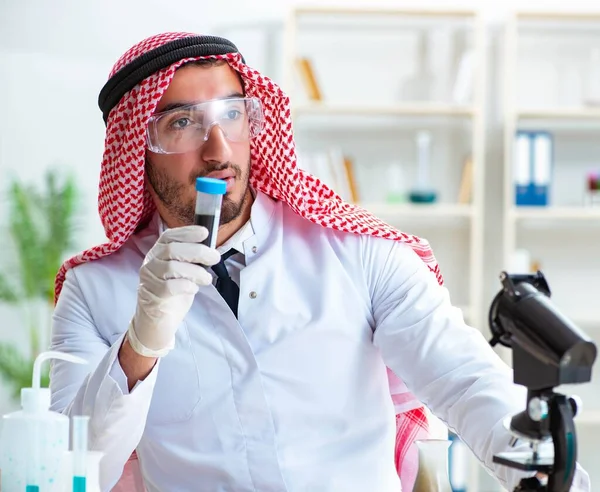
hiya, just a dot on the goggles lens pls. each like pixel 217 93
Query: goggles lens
pixel 186 128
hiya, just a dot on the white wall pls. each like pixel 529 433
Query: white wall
pixel 55 57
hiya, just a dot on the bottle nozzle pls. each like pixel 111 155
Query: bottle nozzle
pixel 37 398
pixel 43 357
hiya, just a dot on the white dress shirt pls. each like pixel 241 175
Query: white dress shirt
pixel 293 395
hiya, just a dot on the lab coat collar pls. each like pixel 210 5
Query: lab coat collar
pixel 237 240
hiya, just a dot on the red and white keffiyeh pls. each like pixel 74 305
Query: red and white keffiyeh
pixel 124 203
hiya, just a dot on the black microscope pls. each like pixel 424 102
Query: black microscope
pixel 548 350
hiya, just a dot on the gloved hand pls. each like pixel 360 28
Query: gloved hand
pixel 170 277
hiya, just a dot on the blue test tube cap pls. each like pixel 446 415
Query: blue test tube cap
pixel 211 186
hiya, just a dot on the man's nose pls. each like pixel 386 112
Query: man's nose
pixel 216 148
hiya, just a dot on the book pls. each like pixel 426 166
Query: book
pixel 466 182
pixel 309 79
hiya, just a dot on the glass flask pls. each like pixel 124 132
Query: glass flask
pixel 432 475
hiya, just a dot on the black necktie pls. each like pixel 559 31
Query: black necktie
pixel 228 289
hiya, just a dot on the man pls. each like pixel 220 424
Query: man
pixel 278 379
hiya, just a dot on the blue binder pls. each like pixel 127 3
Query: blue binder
pixel 533 163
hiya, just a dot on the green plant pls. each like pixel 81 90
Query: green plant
pixel 41 227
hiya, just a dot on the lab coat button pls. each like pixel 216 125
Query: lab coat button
pixel 253 295
pixel 254 249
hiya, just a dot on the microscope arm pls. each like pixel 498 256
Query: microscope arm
pixel 564 438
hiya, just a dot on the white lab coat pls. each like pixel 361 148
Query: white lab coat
pixel 294 396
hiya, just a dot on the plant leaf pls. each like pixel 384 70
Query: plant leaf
pixel 27 236
pixel 7 292
pixel 42 228
pixel 59 211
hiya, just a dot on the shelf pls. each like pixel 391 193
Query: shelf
pixel 335 117
pixel 571 23
pixel 558 16
pixel 574 113
pixel 330 10
pixel 434 210
pixel 576 120
pixel 393 109
pixel 555 213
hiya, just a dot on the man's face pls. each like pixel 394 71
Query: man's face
pixel 172 177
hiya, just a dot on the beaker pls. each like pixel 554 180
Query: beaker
pixel 433 466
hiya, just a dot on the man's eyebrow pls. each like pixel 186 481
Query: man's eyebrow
pixel 179 104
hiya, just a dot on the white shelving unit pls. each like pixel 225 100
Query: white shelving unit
pixel 547 58
pixel 344 115
pixel 363 112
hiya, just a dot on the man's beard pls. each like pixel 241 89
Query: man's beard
pixel 173 194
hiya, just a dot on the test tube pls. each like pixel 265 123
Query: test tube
pixel 80 450
pixel 209 196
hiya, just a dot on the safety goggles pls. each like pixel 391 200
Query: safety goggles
pixel 186 128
